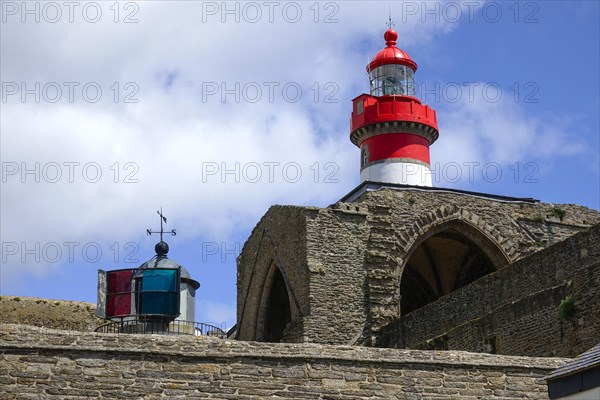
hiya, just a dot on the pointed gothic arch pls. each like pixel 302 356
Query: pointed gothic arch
pixel 275 310
pixel 448 256
pixel 268 283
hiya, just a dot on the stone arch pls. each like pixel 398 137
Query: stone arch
pixel 450 249
pixel 275 311
pixel 426 223
pixel 267 271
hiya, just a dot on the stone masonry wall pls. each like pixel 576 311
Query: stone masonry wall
pixel 399 219
pixel 345 262
pixel 42 363
pixel 517 308
pixel 335 240
pixel 278 240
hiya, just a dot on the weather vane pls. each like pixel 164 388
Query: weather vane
pixel 162 219
pixel 390 23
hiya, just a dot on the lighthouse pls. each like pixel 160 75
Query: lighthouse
pixel 158 297
pixel 390 126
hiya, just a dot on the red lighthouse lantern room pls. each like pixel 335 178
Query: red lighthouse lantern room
pixel 390 126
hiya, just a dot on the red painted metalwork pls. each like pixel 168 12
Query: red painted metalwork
pixel 397 145
pixel 388 109
pixel 391 54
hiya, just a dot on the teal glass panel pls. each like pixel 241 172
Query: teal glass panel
pixel 159 292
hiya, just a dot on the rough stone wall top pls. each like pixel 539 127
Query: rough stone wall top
pixel 57 364
pixel 49 313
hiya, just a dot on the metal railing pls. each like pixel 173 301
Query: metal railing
pixel 149 326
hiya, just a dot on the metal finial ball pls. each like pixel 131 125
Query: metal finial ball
pixel 390 37
pixel 161 248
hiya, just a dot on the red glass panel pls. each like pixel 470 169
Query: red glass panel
pixel 118 296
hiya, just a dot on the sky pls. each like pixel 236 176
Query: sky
pixel 215 111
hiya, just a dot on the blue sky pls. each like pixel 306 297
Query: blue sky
pixel 189 91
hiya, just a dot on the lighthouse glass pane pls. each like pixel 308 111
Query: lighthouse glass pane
pixel 159 292
pixel 118 293
pixel 410 81
pixel 392 79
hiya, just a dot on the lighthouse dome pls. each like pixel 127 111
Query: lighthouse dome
pixel 391 54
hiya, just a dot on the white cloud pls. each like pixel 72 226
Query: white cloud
pixel 480 130
pixel 170 56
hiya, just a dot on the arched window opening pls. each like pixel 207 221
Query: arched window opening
pixel 443 263
pixel 278 312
